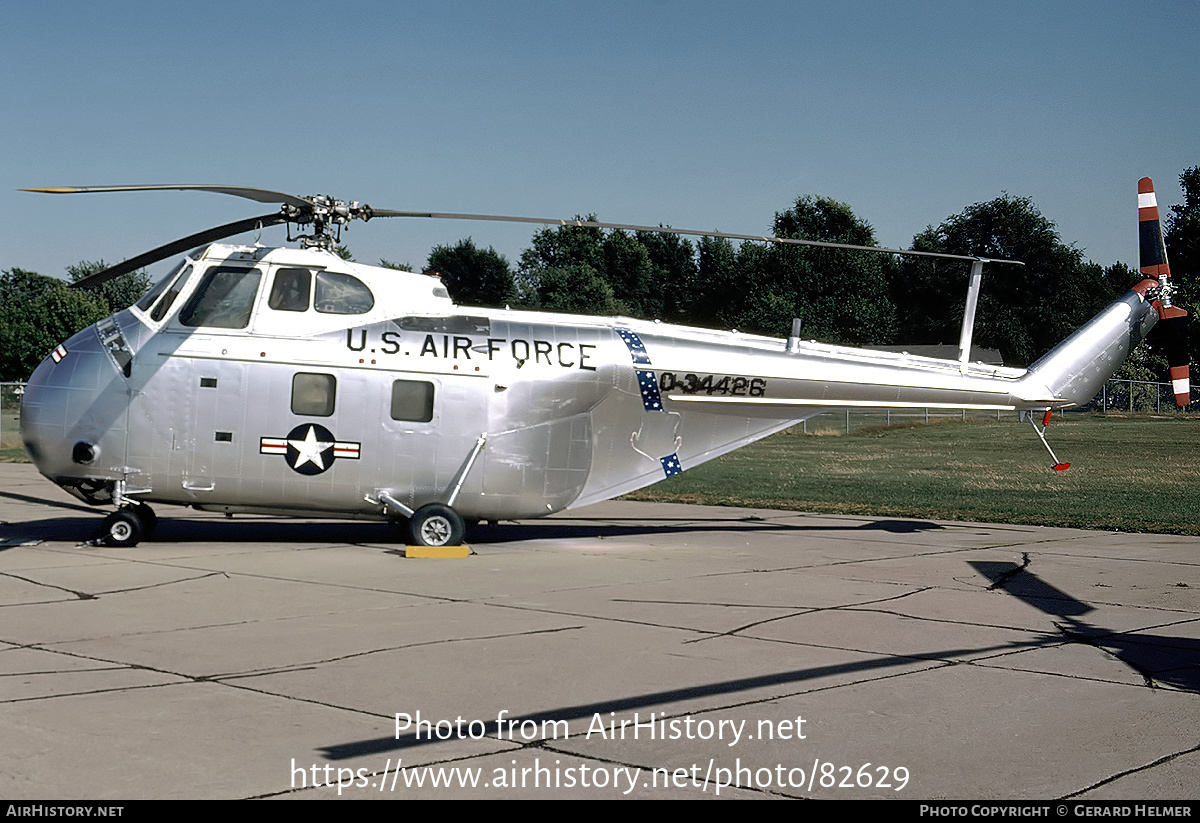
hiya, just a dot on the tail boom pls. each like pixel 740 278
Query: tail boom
pixel 1074 371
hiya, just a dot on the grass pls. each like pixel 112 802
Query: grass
pixel 10 440
pixel 1128 473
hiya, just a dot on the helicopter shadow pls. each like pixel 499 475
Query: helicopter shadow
pixel 267 529
pixel 1159 659
pixel 32 532
pixel 588 527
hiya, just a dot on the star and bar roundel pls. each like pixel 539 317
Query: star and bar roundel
pixel 310 448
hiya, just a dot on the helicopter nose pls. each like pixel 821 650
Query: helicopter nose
pixel 73 412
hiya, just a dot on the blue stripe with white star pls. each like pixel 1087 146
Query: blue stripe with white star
pixel 648 385
pixel 670 464
pixel 637 349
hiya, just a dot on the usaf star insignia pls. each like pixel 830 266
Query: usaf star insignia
pixel 309 448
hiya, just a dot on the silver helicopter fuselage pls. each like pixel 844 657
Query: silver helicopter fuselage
pixel 293 382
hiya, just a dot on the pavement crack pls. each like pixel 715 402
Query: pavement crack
pixel 812 610
pixel 78 594
pixel 716 603
pixel 1003 579
pixel 312 664
pixel 1160 761
pixel 166 583
pixel 603 618
pixel 1095 641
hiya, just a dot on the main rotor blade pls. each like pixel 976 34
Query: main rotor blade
pixel 260 195
pixel 178 247
pixel 592 224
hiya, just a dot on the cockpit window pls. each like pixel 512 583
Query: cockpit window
pixel 290 290
pixel 223 299
pixel 342 294
pixel 148 299
pixel 163 306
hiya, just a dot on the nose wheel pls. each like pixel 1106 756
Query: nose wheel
pixel 130 525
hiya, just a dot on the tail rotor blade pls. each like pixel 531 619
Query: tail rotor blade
pixel 1153 251
pixel 1175 339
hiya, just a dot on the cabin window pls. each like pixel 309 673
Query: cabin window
pixel 313 394
pixel 342 294
pixel 223 299
pixel 412 400
pixel 290 290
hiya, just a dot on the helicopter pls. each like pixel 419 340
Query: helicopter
pixel 289 381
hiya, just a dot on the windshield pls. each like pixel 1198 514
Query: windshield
pixel 224 298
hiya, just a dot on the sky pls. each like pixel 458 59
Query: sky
pixel 706 115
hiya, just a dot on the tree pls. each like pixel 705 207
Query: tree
pixel 117 293
pixel 36 314
pixel 842 295
pixel 474 276
pixel 839 295
pixel 1182 229
pixel 575 287
pixel 707 296
pixel 630 275
pixel 565 245
pixel 674 261
pixel 1182 237
pixel 1023 310
pixel 395 264
pixel 558 256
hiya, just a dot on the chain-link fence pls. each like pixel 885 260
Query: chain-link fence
pixel 10 408
pixel 1136 396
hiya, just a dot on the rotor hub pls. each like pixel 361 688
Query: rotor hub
pixel 323 213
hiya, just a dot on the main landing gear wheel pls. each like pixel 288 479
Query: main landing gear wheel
pixel 148 517
pixel 435 524
pixel 123 528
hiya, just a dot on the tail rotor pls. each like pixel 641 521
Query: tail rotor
pixel 1153 265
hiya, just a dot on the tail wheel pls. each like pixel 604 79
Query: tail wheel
pixel 435 524
pixel 123 528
